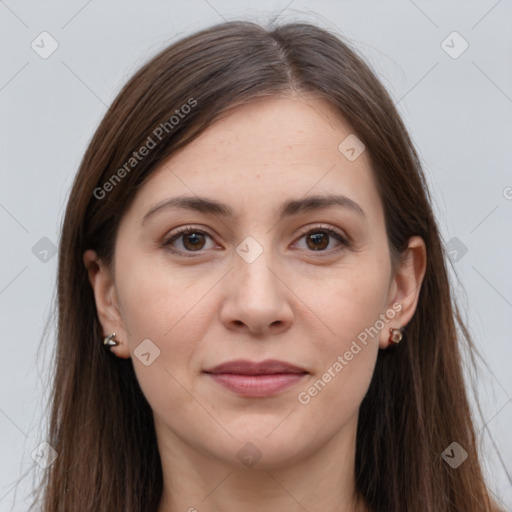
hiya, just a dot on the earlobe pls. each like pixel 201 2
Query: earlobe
pixel 109 316
pixel 406 287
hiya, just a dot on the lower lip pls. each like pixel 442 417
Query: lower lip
pixel 257 385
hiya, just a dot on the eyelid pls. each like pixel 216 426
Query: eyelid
pixel 325 227
pixel 184 229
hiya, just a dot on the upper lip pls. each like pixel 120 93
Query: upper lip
pixel 267 367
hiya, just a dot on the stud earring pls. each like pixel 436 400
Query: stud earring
pixel 110 341
pixel 395 335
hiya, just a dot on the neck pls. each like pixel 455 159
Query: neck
pixel 320 481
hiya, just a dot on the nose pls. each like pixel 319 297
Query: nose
pixel 256 299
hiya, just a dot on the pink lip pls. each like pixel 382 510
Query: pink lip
pixel 253 379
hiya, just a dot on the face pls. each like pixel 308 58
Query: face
pixel 308 284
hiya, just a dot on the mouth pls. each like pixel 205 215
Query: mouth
pixel 252 379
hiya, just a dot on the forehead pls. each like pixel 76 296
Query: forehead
pixel 263 153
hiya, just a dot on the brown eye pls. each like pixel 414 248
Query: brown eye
pixel 187 240
pixel 193 241
pixel 318 241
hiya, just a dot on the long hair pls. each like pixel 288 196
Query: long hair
pixel 101 425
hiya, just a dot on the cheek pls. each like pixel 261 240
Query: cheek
pixel 334 396
pixel 346 358
pixel 163 307
pixel 350 301
pixel 156 297
pixel 168 306
pixel 352 308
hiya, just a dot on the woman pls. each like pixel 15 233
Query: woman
pixel 254 309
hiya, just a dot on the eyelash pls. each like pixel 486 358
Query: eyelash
pixel 193 229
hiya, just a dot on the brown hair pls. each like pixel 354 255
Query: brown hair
pixel 101 424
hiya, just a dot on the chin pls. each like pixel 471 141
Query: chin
pixel 264 449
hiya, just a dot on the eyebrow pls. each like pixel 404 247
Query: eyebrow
pixel 287 209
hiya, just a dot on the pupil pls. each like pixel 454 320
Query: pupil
pixel 317 238
pixel 194 238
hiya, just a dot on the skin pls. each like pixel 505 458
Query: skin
pixel 291 304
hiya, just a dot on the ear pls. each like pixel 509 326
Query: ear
pixel 107 304
pixel 405 287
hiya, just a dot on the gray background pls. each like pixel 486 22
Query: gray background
pixel 458 111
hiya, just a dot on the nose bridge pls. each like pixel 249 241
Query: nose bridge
pixel 252 267
pixel 256 297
